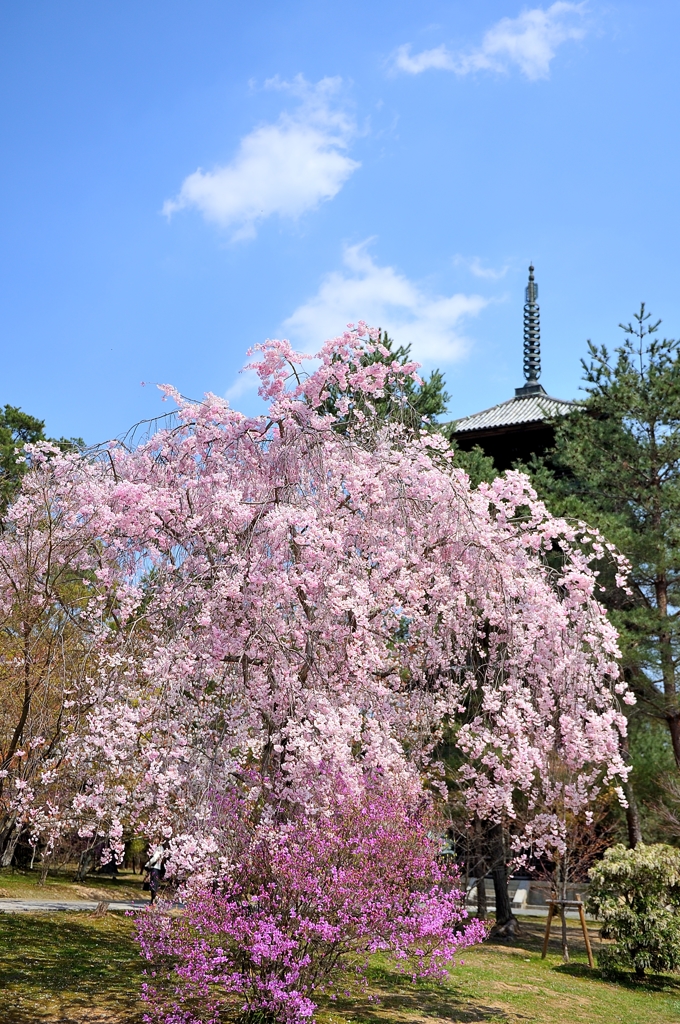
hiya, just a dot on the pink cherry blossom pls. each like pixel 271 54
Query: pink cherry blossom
pixel 303 596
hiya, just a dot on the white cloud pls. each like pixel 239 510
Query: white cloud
pixel 246 381
pixel 475 266
pixel 384 298
pixel 286 168
pixel 528 41
pixel 439 58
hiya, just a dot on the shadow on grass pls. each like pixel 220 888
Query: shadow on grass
pixel 649 983
pixel 66 968
pixel 398 999
pixel 400 1006
pixel 532 933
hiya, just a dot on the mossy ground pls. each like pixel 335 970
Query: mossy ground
pixel 78 969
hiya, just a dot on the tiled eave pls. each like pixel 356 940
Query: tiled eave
pixel 524 409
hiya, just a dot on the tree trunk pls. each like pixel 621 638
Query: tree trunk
pixel 85 865
pixel 6 832
pixel 632 817
pixel 561 888
pixel 10 847
pixel 482 908
pixel 565 940
pixel 507 925
pixel 632 812
pixel 668 668
pixel 480 871
pixel 673 721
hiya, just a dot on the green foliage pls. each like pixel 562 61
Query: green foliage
pixel 18 428
pixel 424 401
pixel 651 757
pixel 616 464
pixel 636 895
pixel 414 405
pixel 478 466
pixel 417 406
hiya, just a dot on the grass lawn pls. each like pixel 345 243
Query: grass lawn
pixel 77 969
pixel 68 968
pixel 59 884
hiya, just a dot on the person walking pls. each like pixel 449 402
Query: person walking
pixel 154 867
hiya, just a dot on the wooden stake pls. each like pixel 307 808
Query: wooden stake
pixel 586 937
pixel 562 905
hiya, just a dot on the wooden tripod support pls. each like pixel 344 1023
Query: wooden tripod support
pixel 562 905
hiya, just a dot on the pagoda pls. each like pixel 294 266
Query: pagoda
pixel 523 426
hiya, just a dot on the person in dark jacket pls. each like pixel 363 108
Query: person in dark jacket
pixel 154 866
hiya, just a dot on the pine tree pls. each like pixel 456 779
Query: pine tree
pixel 616 464
pixel 18 428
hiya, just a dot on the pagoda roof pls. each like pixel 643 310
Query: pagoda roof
pixel 522 409
pixel 531 407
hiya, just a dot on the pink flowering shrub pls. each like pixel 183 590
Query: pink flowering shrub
pixel 302 909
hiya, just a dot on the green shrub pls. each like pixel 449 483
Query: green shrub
pixel 636 895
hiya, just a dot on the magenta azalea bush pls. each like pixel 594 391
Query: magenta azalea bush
pixel 300 912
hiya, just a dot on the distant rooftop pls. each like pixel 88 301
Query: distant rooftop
pixel 522 426
pixel 520 409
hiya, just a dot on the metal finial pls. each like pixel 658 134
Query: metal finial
pixel 532 332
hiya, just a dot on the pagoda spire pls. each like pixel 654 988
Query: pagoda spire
pixel 532 341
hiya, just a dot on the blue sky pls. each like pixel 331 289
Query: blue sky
pixel 183 179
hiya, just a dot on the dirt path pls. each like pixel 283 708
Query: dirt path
pixel 22 906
